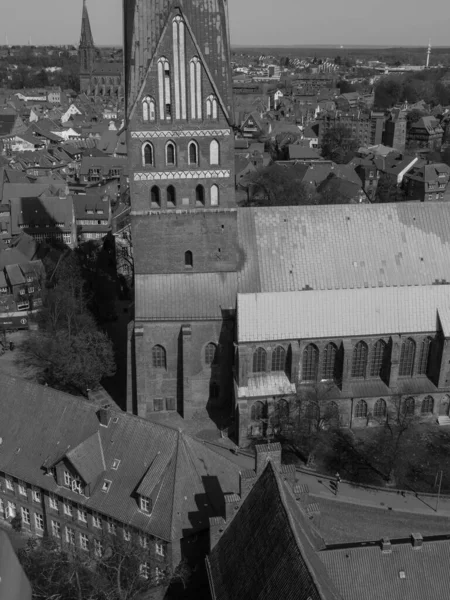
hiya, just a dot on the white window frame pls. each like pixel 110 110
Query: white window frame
pixel 127 535
pixel 96 521
pixel 159 548
pixel 25 512
pixel 39 521
pixel 84 541
pixel 144 504
pixel 82 515
pixel 9 484
pixel 68 509
pixel 11 509
pixel 144 570
pixel 36 495
pixel 70 536
pixel 98 548
pixel 53 502
pixel 67 479
pixel 143 541
pixel 112 529
pixel 22 488
pixel 56 529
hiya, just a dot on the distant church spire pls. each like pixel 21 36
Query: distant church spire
pixel 86 49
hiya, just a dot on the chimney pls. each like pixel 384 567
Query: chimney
pixel 216 528
pixel 247 480
pixel 232 502
pixel 386 546
pixel 104 415
pixel 417 541
pixel 266 452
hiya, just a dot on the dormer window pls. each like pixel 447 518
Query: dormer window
pixel 106 485
pixel 116 463
pixel 67 478
pixel 145 504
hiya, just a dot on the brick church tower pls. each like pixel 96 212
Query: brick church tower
pixel 86 51
pixel 184 218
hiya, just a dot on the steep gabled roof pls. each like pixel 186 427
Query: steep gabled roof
pixel 269 551
pixel 88 459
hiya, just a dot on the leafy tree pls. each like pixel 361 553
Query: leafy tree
pixel 278 185
pixel 388 92
pixel 346 87
pixel 68 351
pixel 337 143
pixel 388 190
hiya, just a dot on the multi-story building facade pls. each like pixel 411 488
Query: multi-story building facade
pixel 366 127
pixel 90 477
pixel 427 183
pixel 425 133
pixel 395 130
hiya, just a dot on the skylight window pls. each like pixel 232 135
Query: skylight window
pixel 116 463
pixel 106 485
pixel 402 574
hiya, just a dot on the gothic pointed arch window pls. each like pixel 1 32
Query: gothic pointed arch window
pixel 164 89
pixel 329 362
pixel 331 414
pixel 379 410
pixel 310 363
pixel 193 153
pixel 179 67
pixel 361 409
pixel 422 367
pixel 155 197
pixel 211 108
pixel 147 155
pixel 195 77
pixel 200 195
pixel 409 407
pixel 214 195
pixel 259 360
pixel 171 154
pixel 159 357
pixel 257 411
pixel 188 259
pixel 407 356
pixel 214 157
pixel 211 354
pixel 378 356
pixel 359 360
pixel 148 109
pixel 283 409
pixel 279 359
pixel 427 406
pixel 171 197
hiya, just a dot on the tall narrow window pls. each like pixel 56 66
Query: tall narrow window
pixel 279 359
pixel 379 410
pixel 193 153
pixel 164 85
pixel 155 197
pixel 211 108
pixel 188 259
pixel 422 367
pixel 214 152
pixel 214 195
pixel 195 76
pixel 377 361
pixel 211 354
pixel 259 360
pixel 148 109
pixel 407 355
pixel 409 407
pixel 257 412
pixel 171 154
pixel 329 362
pixel 361 409
pixel 171 197
pixel 310 363
pixel 427 405
pixel 359 362
pixel 158 357
pixel 200 195
pixel 147 154
pixel 179 67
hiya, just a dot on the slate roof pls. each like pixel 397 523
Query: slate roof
pixel 40 212
pixel 45 423
pixel 88 459
pixel 344 246
pixel 184 296
pixel 14 274
pixel 269 551
pixel 367 572
pixel 29 190
pixel 7 122
pixel 343 313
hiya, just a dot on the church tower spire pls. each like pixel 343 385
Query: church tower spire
pixel 86 50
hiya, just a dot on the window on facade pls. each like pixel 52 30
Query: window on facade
pixel 70 536
pixel 147 154
pixel 98 548
pixel 68 509
pixel 158 357
pixel 148 109
pixel 359 362
pixel 312 412
pixel 67 478
pixel 22 488
pixel 158 404
pixel 332 413
pixel 361 409
pixel 195 76
pixel 82 515
pixel 144 570
pixel 171 155
pixel 214 195
pixel 259 360
pixel 111 528
pixel 56 529
pixel 329 362
pixel 11 510
pixel 9 484
pixel 283 409
pixel 310 363
pixel 106 485
pixel 155 197
pixel 164 89
pixel 25 515
pixel 145 504
pixel 257 411
pixel 377 361
pixel 53 502
pixel 171 196
pixel 214 152
pixel 36 495
pixel 409 407
pixel 97 522
pixel 84 541
pixel 427 405
pixel 159 574
pixel 39 521
pixel 379 410
pixel 127 535
pixel 179 67
pixel 200 195
pixel 143 541
pixel 160 549
pixel 279 359
pixel 188 259
pixel 407 355
pixel 425 346
pixel 211 107
pixel 211 354
pixel 193 153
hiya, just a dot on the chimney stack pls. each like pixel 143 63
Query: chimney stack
pixel 104 415
pixel 417 541
pixel 216 528
pixel 266 452
pixel 386 546
pixel 232 502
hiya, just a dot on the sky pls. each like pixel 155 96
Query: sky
pixel 252 22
